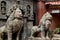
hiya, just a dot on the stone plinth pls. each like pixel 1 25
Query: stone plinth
pixel 36 38
pixel 54 38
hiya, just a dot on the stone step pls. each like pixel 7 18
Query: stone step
pixel 56 37
pixel 30 38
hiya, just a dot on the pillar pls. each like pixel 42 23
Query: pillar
pixel 40 10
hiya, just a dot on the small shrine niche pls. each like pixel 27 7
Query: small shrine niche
pixel 3 7
pixel 28 10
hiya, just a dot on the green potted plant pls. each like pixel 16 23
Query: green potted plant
pixel 57 31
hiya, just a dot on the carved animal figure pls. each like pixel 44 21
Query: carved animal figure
pixel 44 24
pixel 13 24
pixel 33 30
pixel 2 29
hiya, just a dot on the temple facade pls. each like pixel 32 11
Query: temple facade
pixel 33 9
pixel 29 12
pixel 51 6
pixel 25 5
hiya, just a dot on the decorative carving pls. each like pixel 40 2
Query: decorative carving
pixel 3 7
pixel 13 24
pixel 44 25
pixel 28 10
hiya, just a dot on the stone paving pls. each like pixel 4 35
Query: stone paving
pixel 56 37
pixel 41 39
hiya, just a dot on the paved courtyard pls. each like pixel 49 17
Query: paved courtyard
pixel 56 37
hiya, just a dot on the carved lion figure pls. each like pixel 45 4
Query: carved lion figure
pixel 44 25
pixel 13 24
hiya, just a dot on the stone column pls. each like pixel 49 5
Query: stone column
pixel 25 28
pixel 40 10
